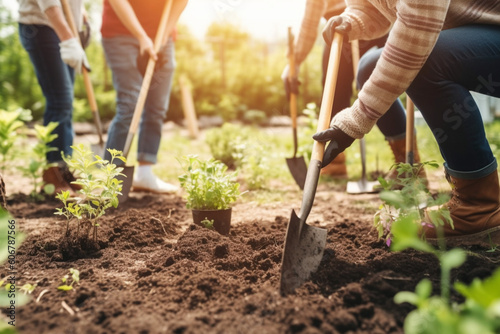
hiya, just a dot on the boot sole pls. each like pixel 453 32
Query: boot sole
pixel 488 239
pixel 149 190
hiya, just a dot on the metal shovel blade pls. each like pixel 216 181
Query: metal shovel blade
pixel 362 186
pixel 303 251
pixel 298 169
pixel 128 171
pixel 97 149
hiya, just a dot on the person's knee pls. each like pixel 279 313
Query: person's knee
pixel 366 66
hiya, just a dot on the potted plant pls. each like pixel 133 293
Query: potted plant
pixel 210 192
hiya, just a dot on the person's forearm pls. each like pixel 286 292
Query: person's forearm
pixel 58 22
pixel 127 16
pixel 178 7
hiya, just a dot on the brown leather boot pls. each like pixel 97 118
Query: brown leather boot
pixel 69 177
pixel 336 168
pixel 398 148
pixel 53 175
pixel 475 210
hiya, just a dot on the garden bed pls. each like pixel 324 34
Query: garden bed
pixel 156 272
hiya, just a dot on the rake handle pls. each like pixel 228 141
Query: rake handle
pixel 146 82
pixel 86 77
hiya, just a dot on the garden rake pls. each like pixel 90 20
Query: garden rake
pixel 99 147
pixel 128 171
pixel 296 165
pixel 305 244
pixel 363 185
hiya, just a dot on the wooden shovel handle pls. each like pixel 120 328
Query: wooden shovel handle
pixel 146 82
pixel 325 112
pixel 410 124
pixel 86 77
pixel 293 74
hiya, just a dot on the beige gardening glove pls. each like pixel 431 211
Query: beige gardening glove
pixel 73 54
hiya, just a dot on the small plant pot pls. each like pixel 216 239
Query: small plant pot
pixel 221 219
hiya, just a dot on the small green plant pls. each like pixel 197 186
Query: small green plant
pixel 208 223
pixel 69 280
pixel 306 132
pixel 408 201
pixel 400 221
pixel 99 187
pixel 208 184
pixel 38 161
pixel 480 313
pixel 227 143
pixel 10 123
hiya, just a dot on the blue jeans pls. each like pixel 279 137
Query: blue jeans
pixel 56 80
pixel 121 54
pixel 393 123
pixel 464 59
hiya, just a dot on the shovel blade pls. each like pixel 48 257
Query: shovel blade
pixel 97 149
pixel 128 171
pixel 303 251
pixel 298 169
pixel 363 186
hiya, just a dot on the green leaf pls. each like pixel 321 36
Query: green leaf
pixel 452 259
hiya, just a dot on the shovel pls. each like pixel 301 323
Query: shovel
pixel 296 165
pixel 362 186
pixel 410 126
pixel 305 244
pixel 96 148
pixel 128 171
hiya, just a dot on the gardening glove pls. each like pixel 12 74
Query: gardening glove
pixel 73 54
pixel 336 24
pixel 291 84
pixel 339 141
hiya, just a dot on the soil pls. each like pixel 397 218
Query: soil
pixel 156 272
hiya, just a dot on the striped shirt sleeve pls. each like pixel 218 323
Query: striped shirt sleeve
pixel 309 29
pixel 411 40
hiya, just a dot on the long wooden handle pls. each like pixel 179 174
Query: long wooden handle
pixel 325 112
pixel 293 74
pixel 410 125
pixel 146 82
pixel 86 77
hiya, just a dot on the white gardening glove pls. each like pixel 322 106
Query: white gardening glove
pixel 73 54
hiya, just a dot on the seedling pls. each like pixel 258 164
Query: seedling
pixel 208 223
pixel 72 278
pixel 208 184
pixel 99 183
pixel 27 288
pixel 408 202
pixel 10 123
pixel 38 161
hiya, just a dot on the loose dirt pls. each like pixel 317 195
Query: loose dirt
pixel 156 272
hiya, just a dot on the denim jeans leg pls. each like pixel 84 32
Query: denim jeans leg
pixel 393 123
pixel 56 81
pixel 464 59
pixel 121 54
pixel 156 106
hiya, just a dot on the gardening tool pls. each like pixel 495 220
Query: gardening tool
pixel 128 171
pixel 99 147
pixel 410 125
pixel 188 107
pixel 363 185
pixel 305 244
pixel 296 165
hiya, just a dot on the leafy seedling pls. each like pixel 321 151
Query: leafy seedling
pixel 72 278
pixel 99 187
pixel 208 184
pixel 38 162
pixel 208 223
pixel 10 124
